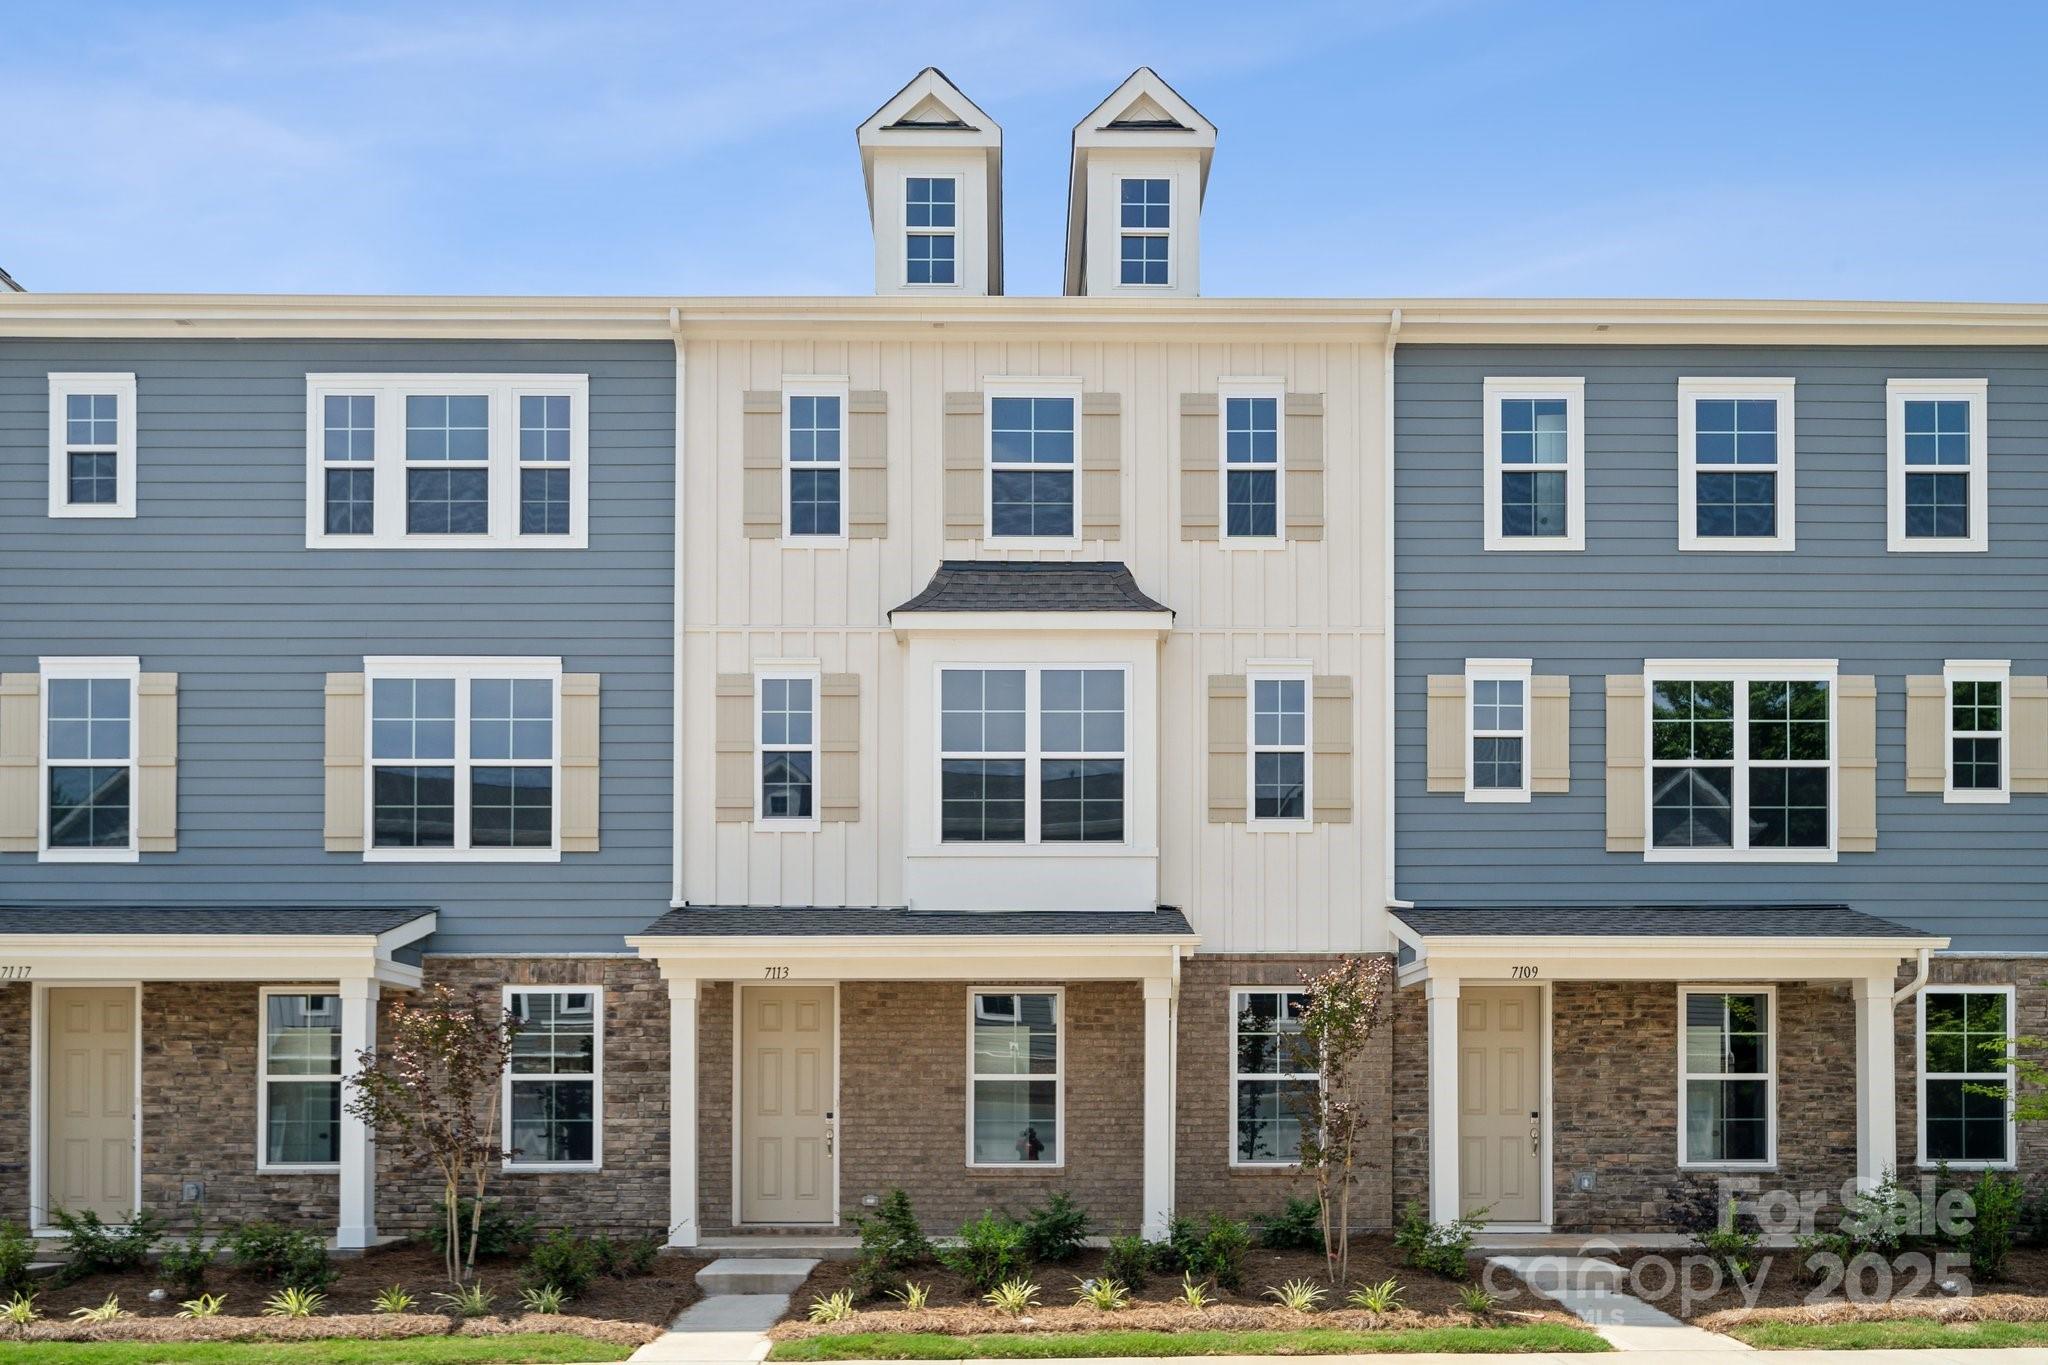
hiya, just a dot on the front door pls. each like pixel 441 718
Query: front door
pixel 91 1104
pixel 1500 1088
pixel 788 1073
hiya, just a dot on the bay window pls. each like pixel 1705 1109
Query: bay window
pixel 1032 755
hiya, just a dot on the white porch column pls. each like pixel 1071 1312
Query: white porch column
pixel 358 1224
pixel 1158 1182
pixel 682 1111
pixel 1442 993
pixel 1877 1098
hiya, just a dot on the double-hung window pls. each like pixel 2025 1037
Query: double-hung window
pixel 1727 1078
pixel 1032 755
pixel 1936 464
pixel 92 445
pixel 1977 735
pixel 1735 466
pixel 1535 438
pixel 1031 465
pixel 1741 761
pixel 1274 1076
pixel 1147 232
pixel 930 217
pixel 554 1087
pixel 789 748
pixel 89 759
pixel 814 447
pixel 464 759
pixel 452 461
pixel 1015 1085
pixel 1251 465
pixel 301 1090
pixel 1280 747
pixel 1966 1036
pixel 1498 726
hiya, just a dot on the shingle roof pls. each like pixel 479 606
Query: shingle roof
pixel 879 921
pixel 1029 585
pixel 211 918
pixel 1652 921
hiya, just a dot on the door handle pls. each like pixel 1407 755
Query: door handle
pixel 1535 1133
pixel 830 1128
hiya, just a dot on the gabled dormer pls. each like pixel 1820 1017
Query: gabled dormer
pixel 934 167
pixel 1134 194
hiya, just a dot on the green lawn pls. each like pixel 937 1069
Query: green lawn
pixel 1317 1341
pixel 539 1348
pixel 1898 1334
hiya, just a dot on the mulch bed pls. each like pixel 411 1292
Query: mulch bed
pixel 956 1309
pixel 1785 1294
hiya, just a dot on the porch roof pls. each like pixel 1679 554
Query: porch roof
pixel 805 921
pixel 212 941
pixel 1659 921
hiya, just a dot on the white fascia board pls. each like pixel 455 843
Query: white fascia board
pixel 1018 622
pixel 936 957
pixel 205 957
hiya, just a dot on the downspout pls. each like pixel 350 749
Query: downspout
pixel 1388 683
pixel 676 788
pixel 1917 984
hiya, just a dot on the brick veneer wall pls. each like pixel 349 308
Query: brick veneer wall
pixel 1205 1181
pixel 715 1019
pixel 14 1120
pixel 2031 976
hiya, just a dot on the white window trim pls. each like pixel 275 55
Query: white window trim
pixel 1495 670
pixel 1975 392
pixel 1690 391
pixel 1058 1076
pixel 1954 671
pixel 1236 994
pixel 789 672
pixel 264 1077
pixel 596 1078
pixel 1172 212
pixel 1572 389
pixel 1275 389
pixel 1280 671
pixel 1923 1076
pixel 1741 672
pixel 958 283
pixel 97 667
pixel 816 386
pixel 503 392
pixel 992 389
pixel 62 386
pixel 1034 760
pixel 463 671
pixel 1769 1077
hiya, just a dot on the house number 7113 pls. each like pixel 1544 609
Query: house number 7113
pixel 775 973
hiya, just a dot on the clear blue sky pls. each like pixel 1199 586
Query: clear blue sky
pixel 1833 150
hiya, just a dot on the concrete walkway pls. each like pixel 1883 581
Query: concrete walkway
pixel 1591 1288
pixel 729 1325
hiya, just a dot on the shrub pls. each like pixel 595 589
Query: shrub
pixel 110 1311
pixel 1440 1248
pixel 294 1303
pixel 17 1251
pixel 913 1296
pixel 1475 1300
pixel 1194 1293
pixel 1732 1244
pixel 1129 1260
pixel 1104 1294
pixel 1822 1254
pixel 564 1260
pixel 1297 1227
pixel 1053 1231
pixel 184 1264
pixel 97 1248
pixel 626 1258
pixel 470 1301
pixel 395 1300
pixel 500 1234
pixel 205 1306
pixel 1215 1250
pixel 891 1242
pixel 836 1307
pixel 1302 1296
pixel 1015 1297
pixel 1882 1218
pixel 20 1310
pixel 295 1258
pixel 991 1250
pixel 546 1300
pixel 2000 1201
pixel 1384 1297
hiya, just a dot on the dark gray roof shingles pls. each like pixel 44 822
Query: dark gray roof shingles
pixel 1026 585
pixel 212 918
pixel 1652 921
pixel 884 921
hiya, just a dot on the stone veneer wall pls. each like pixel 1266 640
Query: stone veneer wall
pixel 14 1121
pixel 1205 1182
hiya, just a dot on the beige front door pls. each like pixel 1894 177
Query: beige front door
pixel 91 1104
pixel 788 1073
pixel 1500 1090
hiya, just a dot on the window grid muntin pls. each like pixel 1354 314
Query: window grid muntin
pixel 1145 252
pixel 465 762
pixel 1252 424
pixel 1095 766
pixel 1728 748
pixel 931 230
pixel 448 451
pixel 1033 450
pixel 97 710
pixel 1038 1072
pixel 321 1072
pixel 1279 717
pixel 91 431
pixel 1290 1004
pixel 1976 710
pixel 1736 452
pixel 1973 1039
pixel 1535 475
pixel 1023 764
pixel 814 446
pixel 551 1072
pixel 1499 732
pixel 1762 1080
pixel 786 729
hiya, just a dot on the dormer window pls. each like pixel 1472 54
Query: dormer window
pixel 1147 231
pixel 931 221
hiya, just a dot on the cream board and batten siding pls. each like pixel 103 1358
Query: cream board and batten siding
pixel 752 601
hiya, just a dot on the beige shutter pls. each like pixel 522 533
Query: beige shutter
pixel 1856 764
pixel 839 747
pixel 734 758
pixel 867 464
pixel 156 763
pixel 1550 734
pixel 1303 457
pixel 1626 722
pixel 1102 466
pixel 1228 721
pixel 21 760
pixel 345 762
pixel 2027 721
pixel 1200 484
pixel 1446 745
pixel 761 463
pixel 1330 786
pixel 965 513
pixel 1926 733
pixel 579 762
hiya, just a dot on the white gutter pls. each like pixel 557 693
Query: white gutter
pixel 1917 984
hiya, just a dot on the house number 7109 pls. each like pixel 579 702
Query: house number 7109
pixel 775 973
pixel 1523 973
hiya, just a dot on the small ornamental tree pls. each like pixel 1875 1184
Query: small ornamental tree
pixel 1346 1005
pixel 431 1093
